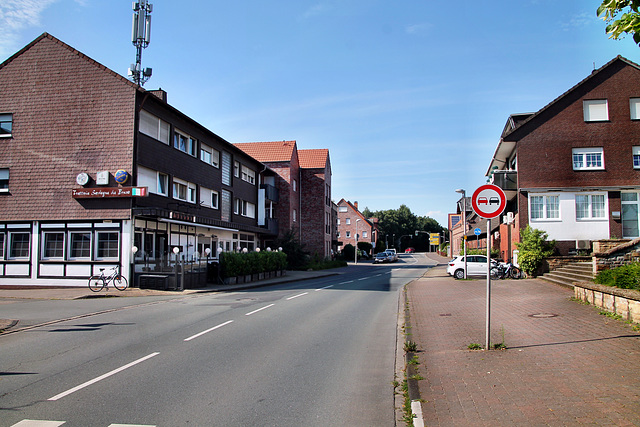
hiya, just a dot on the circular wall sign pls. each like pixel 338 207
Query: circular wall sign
pixel 82 178
pixel 121 176
pixel 489 201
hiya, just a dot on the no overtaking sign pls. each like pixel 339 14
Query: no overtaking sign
pixel 489 201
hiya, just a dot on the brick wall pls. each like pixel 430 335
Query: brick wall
pixel 70 115
pixel 314 211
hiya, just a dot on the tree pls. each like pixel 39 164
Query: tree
pixel 622 17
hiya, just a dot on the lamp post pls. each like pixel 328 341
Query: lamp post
pixel 464 227
pixel 356 257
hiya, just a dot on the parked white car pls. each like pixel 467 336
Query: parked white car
pixel 476 266
pixel 393 256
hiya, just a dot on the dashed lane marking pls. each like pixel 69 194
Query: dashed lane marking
pixel 208 330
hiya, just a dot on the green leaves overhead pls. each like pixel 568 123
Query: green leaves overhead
pixel 622 16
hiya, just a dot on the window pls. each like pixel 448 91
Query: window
pixel 2 245
pixel 295 185
pixel 236 169
pixel 214 199
pixel 19 245
pixel 163 184
pixel 79 245
pixel 630 217
pixel 248 175
pixel 343 209
pixel 154 127
pixel 183 190
pixel 4 180
pixel 544 207
pixel 634 106
pixel 591 158
pixel 184 143
pixel 364 234
pixel 225 211
pixel 635 152
pixel 226 168
pixel 244 208
pixel 209 155
pixel 6 125
pixel 595 110
pixel 590 206
pixel 53 245
pixel 347 221
pixel 295 215
pixel 348 234
pixel 107 243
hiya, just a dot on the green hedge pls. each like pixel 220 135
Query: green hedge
pixel 241 264
pixel 624 277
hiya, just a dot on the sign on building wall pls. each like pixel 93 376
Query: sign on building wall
pixel 98 193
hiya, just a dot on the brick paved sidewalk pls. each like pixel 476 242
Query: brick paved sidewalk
pixel 565 363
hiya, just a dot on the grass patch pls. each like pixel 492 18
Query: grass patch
pixel 474 346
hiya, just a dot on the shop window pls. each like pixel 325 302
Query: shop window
pixel 107 245
pixel 6 125
pixel 53 245
pixel 19 244
pixel 80 245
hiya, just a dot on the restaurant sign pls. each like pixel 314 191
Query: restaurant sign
pixel 108 192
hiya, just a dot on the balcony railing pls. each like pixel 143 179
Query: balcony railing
pixel 271 224
pixel 270 192
pixel 507 180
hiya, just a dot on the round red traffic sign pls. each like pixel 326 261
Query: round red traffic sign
pixel 489 201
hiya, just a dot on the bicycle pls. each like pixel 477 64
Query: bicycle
pixel 97 282
pixel 504 270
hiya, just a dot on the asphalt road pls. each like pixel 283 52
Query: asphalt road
pixel 312 353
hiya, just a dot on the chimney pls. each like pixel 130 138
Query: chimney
pixel 159 93
pixel 355 204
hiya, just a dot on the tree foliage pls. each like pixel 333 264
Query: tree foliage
pixel 622 17
pixel 400 225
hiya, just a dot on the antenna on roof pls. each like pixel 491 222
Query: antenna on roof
pixel 140 37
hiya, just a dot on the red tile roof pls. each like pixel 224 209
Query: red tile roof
pixel 313 159
pixel 277 151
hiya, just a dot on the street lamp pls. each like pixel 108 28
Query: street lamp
pixel 357 220
pixel 464 227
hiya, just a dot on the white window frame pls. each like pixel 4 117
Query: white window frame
pixel 590 207
pixel 214 155
pixel 635 155
pixel 348 234
pixel 4 180
pixel 215 199
pixel 583 155
pixel 634 108
pixel 154 127
pixel 248 175
pixel 10 245
pixel 70 247
pixel 347 221
pixel 97 250
pixel 189 190
pixel 3 242
pixel 44 253
pixel 163 179
pixel 8 130
pixel 545 207
pixel 595 110
pixel 236 169
pixel 343 209
pixel 190 143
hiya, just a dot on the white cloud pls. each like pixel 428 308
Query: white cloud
pixel 15 16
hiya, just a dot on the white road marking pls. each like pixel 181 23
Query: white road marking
pixel 38 423
pixel 260 309
pixel 102 377
pixel 326 287
pixel 208 330
pixel 296 296
pixel 130 425
pixel 344 283
pixel 363 278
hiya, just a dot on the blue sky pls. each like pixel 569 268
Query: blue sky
pixel 410 97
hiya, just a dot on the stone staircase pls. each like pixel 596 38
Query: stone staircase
pixel 572 272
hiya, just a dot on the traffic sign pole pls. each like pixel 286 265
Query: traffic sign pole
pixel 488 202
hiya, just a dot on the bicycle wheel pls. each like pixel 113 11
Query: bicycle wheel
pixel 96 283
pixel 496 273
pixel 120 282
pixel 515 273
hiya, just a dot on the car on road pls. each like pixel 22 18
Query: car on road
pixel 476 266
pixel 409 250
pixel 381 257
pixel 392 254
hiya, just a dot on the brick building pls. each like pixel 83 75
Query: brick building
pixel 352 222
pixel 97 172
pixel 572 169
pixel 303 179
